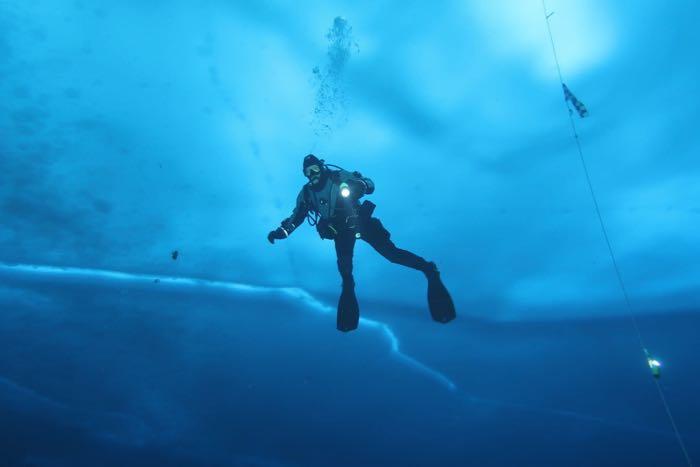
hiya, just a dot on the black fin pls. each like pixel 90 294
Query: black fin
pixel 348 310
pixel 442 309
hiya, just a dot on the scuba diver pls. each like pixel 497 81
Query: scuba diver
pixel 333 198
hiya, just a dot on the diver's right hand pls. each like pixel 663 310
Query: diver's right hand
pixel 277 234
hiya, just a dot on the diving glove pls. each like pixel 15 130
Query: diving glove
pixel 278 234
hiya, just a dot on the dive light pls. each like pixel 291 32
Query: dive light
pixel 344 190
pixel 654 365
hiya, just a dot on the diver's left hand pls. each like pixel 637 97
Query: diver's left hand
pixel 357 188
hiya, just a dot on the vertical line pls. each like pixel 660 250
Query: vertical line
pixel 608 243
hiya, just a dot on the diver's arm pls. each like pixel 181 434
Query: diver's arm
pixel 292 222
pixel 369 184
pixel 298 214
pixel 359 184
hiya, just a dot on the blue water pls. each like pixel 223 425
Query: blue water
pixel 132 129
pixel 108 369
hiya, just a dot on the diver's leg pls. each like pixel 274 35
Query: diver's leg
pixel 376 235
pixel 348 315
pixel 442 308
pixel 344 246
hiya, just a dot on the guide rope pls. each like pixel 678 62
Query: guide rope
pixel 628 305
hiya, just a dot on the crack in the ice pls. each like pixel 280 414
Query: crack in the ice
pixel 292 292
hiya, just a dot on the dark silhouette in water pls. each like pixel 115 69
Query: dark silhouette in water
pixel 333 198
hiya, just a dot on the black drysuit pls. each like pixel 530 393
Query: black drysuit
pixel 344 220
